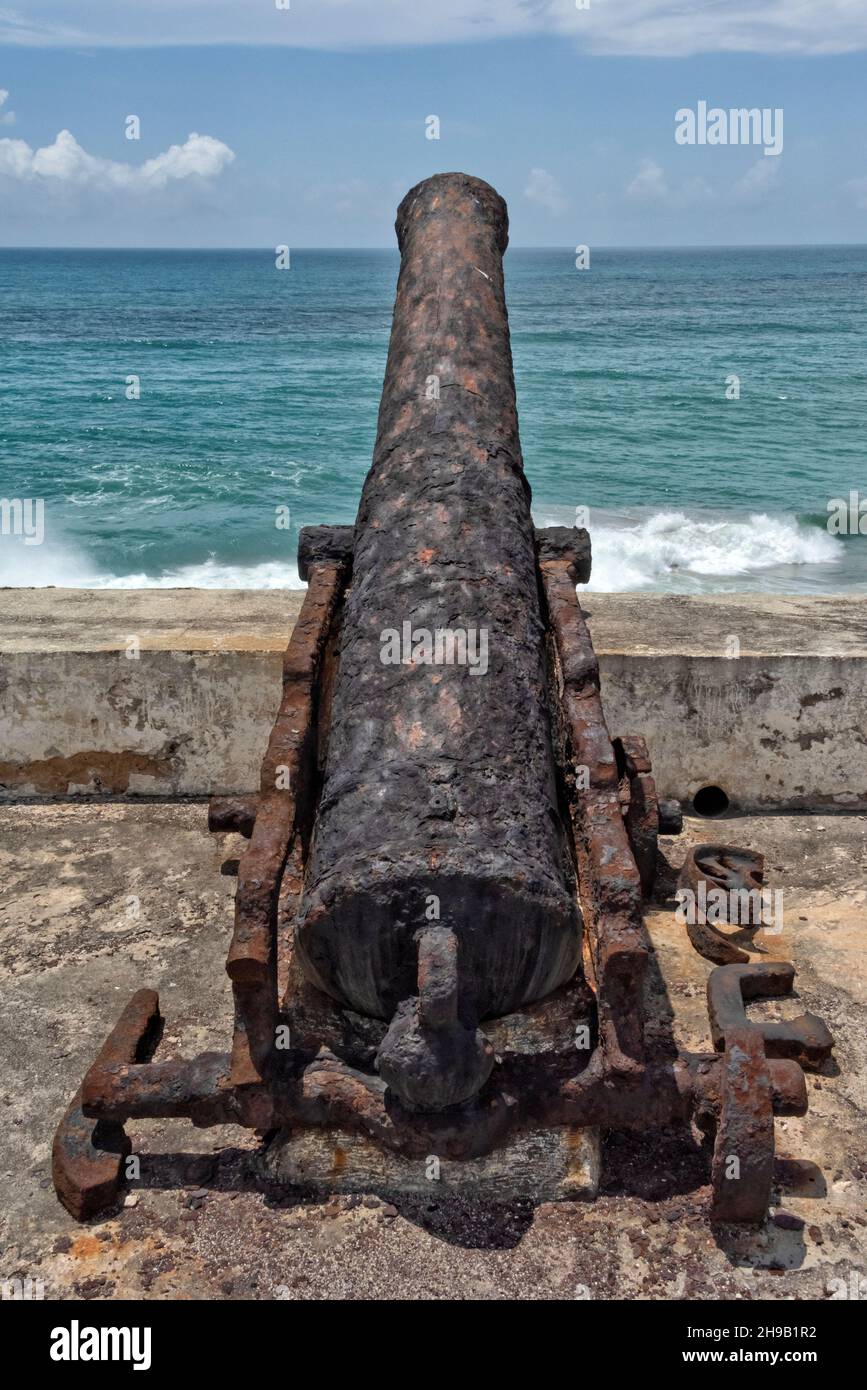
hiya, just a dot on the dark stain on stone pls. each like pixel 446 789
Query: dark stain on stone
pixel 806 741
pixel 821 696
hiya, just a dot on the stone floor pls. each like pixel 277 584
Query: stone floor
pixel 96 901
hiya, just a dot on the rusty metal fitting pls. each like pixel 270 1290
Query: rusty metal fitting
pixel 725 877
pixel 430 1057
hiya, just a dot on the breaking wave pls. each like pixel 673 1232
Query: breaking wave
pixel 675 551
pixel 671 551
pixel 65 567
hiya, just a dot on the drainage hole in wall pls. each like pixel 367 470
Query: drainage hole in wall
pixel 710 801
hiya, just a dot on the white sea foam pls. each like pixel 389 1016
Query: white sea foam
pixel 665 550
pixel 66 567
pixel 25 566
pixel 210 575
pixel 673 550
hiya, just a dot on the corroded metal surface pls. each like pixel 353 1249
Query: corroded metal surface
pixel 87 1158
pixel 325 545
pixel 735 878
pixel 431 1056
pixel 284 812
pixel 670 817
pixel 805 1039
pixel 568 546
pixel 522 1093
pixel 743 1156
pixel 640 806
pixel 233 813
pixel 609 877
pixel 440 779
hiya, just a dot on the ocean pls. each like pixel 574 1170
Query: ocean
pixel 170 408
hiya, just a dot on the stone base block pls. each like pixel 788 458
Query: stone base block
pixel 542 1165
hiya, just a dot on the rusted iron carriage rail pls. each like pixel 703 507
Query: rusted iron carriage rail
pixel 330 1094
pixel 607 870
pixel 280 829
pixel 500 796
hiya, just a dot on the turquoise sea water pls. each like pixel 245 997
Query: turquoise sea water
pixel 260 388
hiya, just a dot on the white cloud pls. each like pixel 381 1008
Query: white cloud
pixel 200 154
pixel 544 189
pixel 759 179
pixel 650 27
pixel 649 185
pixel 672 28
pixel 6 117
pixel 67 162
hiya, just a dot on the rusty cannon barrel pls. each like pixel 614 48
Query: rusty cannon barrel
pixel 439 887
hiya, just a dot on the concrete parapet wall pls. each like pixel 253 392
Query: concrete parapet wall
pixel 172 692
pixel 149 692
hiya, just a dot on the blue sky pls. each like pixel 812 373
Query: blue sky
pixel 305 127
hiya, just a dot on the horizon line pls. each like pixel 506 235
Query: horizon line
pixel 661 246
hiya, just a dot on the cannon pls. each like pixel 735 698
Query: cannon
pixel 445 833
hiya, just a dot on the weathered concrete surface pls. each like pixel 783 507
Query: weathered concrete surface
pixel 199 1226
pixel 784 724
pixel 764 696
pixel 142 692
pixel 101 620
